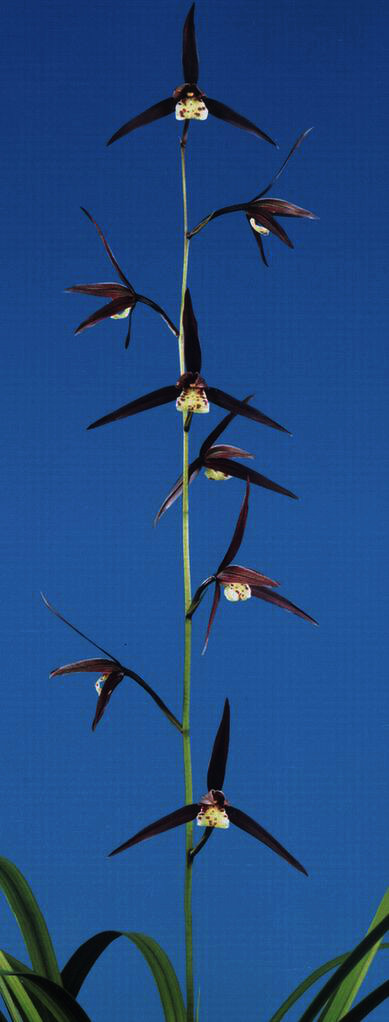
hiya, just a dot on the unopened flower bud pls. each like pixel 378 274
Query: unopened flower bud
pixel 236 591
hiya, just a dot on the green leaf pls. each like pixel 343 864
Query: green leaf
pixel 30 920
pixel 84 958
pixel 344 969
pixel 368 1003
pixel 61 1006
pixel 346 993
pixel 308 982
pixel 17 998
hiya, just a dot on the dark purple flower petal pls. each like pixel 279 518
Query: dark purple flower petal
pixel 153 113
pixel 175 819
pixel 295 146
pixel 77 630
pixel 246 823
pixel 219 755
pixel 108 290
pixel 112 309
pixel 94 666
pixel 280 601
pixel 239 207
pixel 141 404
pixel 128 334
pixel 176 490
pixel 224 113
pixel 223 400
pixel 238 532
pixel 238 573
pixel 258 239
pixel 108 688
pixel 190 60
pixel 232 468
pixel 199 595
pixel 280 207
pixel 192 350
pixel 223 451
pixel 215 604
pixel 165 317
pixel 154 695
pixel 108 250
pixel 219 429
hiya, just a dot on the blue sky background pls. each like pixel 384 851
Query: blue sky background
pixel 310 720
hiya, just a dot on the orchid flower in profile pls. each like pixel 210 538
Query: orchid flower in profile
pixel 213 810
pixel 217 462
pixel 191 393
pixel 111 673
pixel 261 212
pixel 123 296
pixel 188 102
pixel 240 583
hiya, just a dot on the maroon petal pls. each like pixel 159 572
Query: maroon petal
pixel 218 430
pixel 176 490
pixel 280 601
pixel 154 695
pixel 219 755
pixel 141 404
pixel 223 400
pixel 192 350
pixel 280 207
pixel 238 532
pixel 223 451
pixel 109 686
pixel 215 604
pixel 190 60
pixel 232 468
pixel 94 666
pixel 78 631
pixel 153 113
pixel 157 308
pixel 128 334
pixel 175 819
pixel 118 305
pixel 296 145
pixel 108 250
pixel 224 113
pixel 239 207
pixel 238 573
pixel 199 595
pixel 258 239
pixel 249 825
pixel 108 290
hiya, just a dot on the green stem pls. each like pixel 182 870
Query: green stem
pixel 188 628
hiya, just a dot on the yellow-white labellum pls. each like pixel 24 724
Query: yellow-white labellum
pixel 121 315
pixel 193 399
pixel 213 816
pixel 191 108
pixel 100 682
pixel 212 473
pixel 258 227
pixel 236 591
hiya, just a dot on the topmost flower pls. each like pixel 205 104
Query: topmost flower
pixel 188 101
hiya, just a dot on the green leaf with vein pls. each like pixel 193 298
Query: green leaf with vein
pixel 308 982
pixel 344 969
pixel 30 920
pixel 82 961
pixel 58 1002
pixel 18 1002
pixel 348 990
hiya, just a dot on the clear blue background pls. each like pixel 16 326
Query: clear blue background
pixel 309 706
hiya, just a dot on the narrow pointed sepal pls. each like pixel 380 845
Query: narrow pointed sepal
pixel 246 576
pixel 190 60
pixel 112 309
pixel 249 825
pixel 141 404
pixel 114 679
pixel 199 595
pixel 192 350
pixel 153 113
pixel 108 250
pixel 96 665
pixel 238 532
pixel 176 490
pixel 295 146
pixel 161 312
pixel 223 400
pixel 224 113
pixel 175 819
pixel 215 604
pixel 219 755
pixel 244 472
pixel 219 429
pixel 281 601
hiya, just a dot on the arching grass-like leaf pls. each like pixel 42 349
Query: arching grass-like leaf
pixel 361 1010
pixel 308 982
pixel 84 958
pixel 30 920
pixel 55 1000
pixel 347 992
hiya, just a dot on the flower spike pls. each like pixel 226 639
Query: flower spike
pixel 213 810
pixel 188 101
pixel 111 672
pixel 241 583
pixel 123 296
pixel 191 393
pixel 261 212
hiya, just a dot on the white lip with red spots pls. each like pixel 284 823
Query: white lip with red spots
pixel 213 816
pixel 192 399
pixel 100 682
pixel 191 108
pixel 236 591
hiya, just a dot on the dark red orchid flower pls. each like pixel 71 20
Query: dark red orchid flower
pixel 123 296
pixel 216 460
pixel 240 583
pixel 191 393
pixel 213 810
pixel 111 672
pixel 261 212
pixel 188 101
